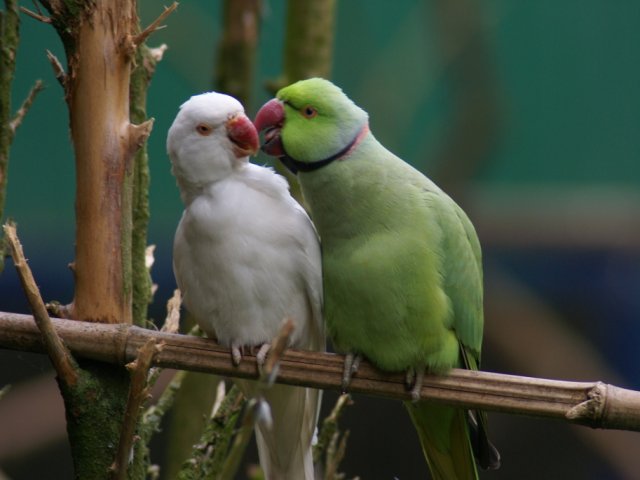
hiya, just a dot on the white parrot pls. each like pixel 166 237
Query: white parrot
pixel 246 256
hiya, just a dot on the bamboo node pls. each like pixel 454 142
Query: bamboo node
pixel 591 410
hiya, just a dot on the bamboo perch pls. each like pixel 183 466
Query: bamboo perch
pixel 594 404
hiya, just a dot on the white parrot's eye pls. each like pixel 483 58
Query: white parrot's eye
pixel 204 129
pixel 309 112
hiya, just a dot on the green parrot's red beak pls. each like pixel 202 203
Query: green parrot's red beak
pixel 270 118
pixel 243 135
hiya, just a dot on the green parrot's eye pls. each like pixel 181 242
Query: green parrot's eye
pixel 309 111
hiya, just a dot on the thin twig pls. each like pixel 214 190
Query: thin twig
pixel 26 105
pixel 330 426
pixel 599 405
pixel 157 53
pixel 154 413
pixel 37 16
pixel 278 346
pixel 63 363
pixel 4 390
pixel 58 69
pixel 241 440
pixel 155 25
pixel 150 424
pixel 335 453
pixel 138 394
pixel 171 325
pixel 172 321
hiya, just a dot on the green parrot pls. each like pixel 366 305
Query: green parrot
pixel 401 261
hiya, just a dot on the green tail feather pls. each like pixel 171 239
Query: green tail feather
pixel 444 436
pixel 486 454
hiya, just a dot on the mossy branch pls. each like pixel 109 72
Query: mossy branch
pixel 236 52
pixel 593 404
pixel 141 284
pixel 9 126
pixel 308 52
pixel 208 455
pixel 332 443
pixel 308 43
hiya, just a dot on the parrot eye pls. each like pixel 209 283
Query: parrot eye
pixel 309 112
pixel 203 129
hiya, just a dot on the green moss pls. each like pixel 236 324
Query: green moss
pixel 9 39
pixel 140 277
pixel 209 454
pixel 94 410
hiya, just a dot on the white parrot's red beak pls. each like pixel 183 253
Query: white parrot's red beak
pixel 270 118
pixel 243 135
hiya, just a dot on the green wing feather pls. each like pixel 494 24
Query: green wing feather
pixel 462 275
pixel 452 437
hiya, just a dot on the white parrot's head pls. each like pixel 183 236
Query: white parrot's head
pixel 209 138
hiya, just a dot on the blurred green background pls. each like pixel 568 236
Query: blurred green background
pixel 528 113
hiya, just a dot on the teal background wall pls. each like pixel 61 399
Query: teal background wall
pixel 541 98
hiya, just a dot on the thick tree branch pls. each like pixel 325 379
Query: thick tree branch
pixel 63 363
pixel 594 404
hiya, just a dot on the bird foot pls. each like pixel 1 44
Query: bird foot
pixel 413 381
pixel 351 364
pixel 261 355
pixel 236 353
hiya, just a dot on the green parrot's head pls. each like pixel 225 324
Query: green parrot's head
pixel 309 122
